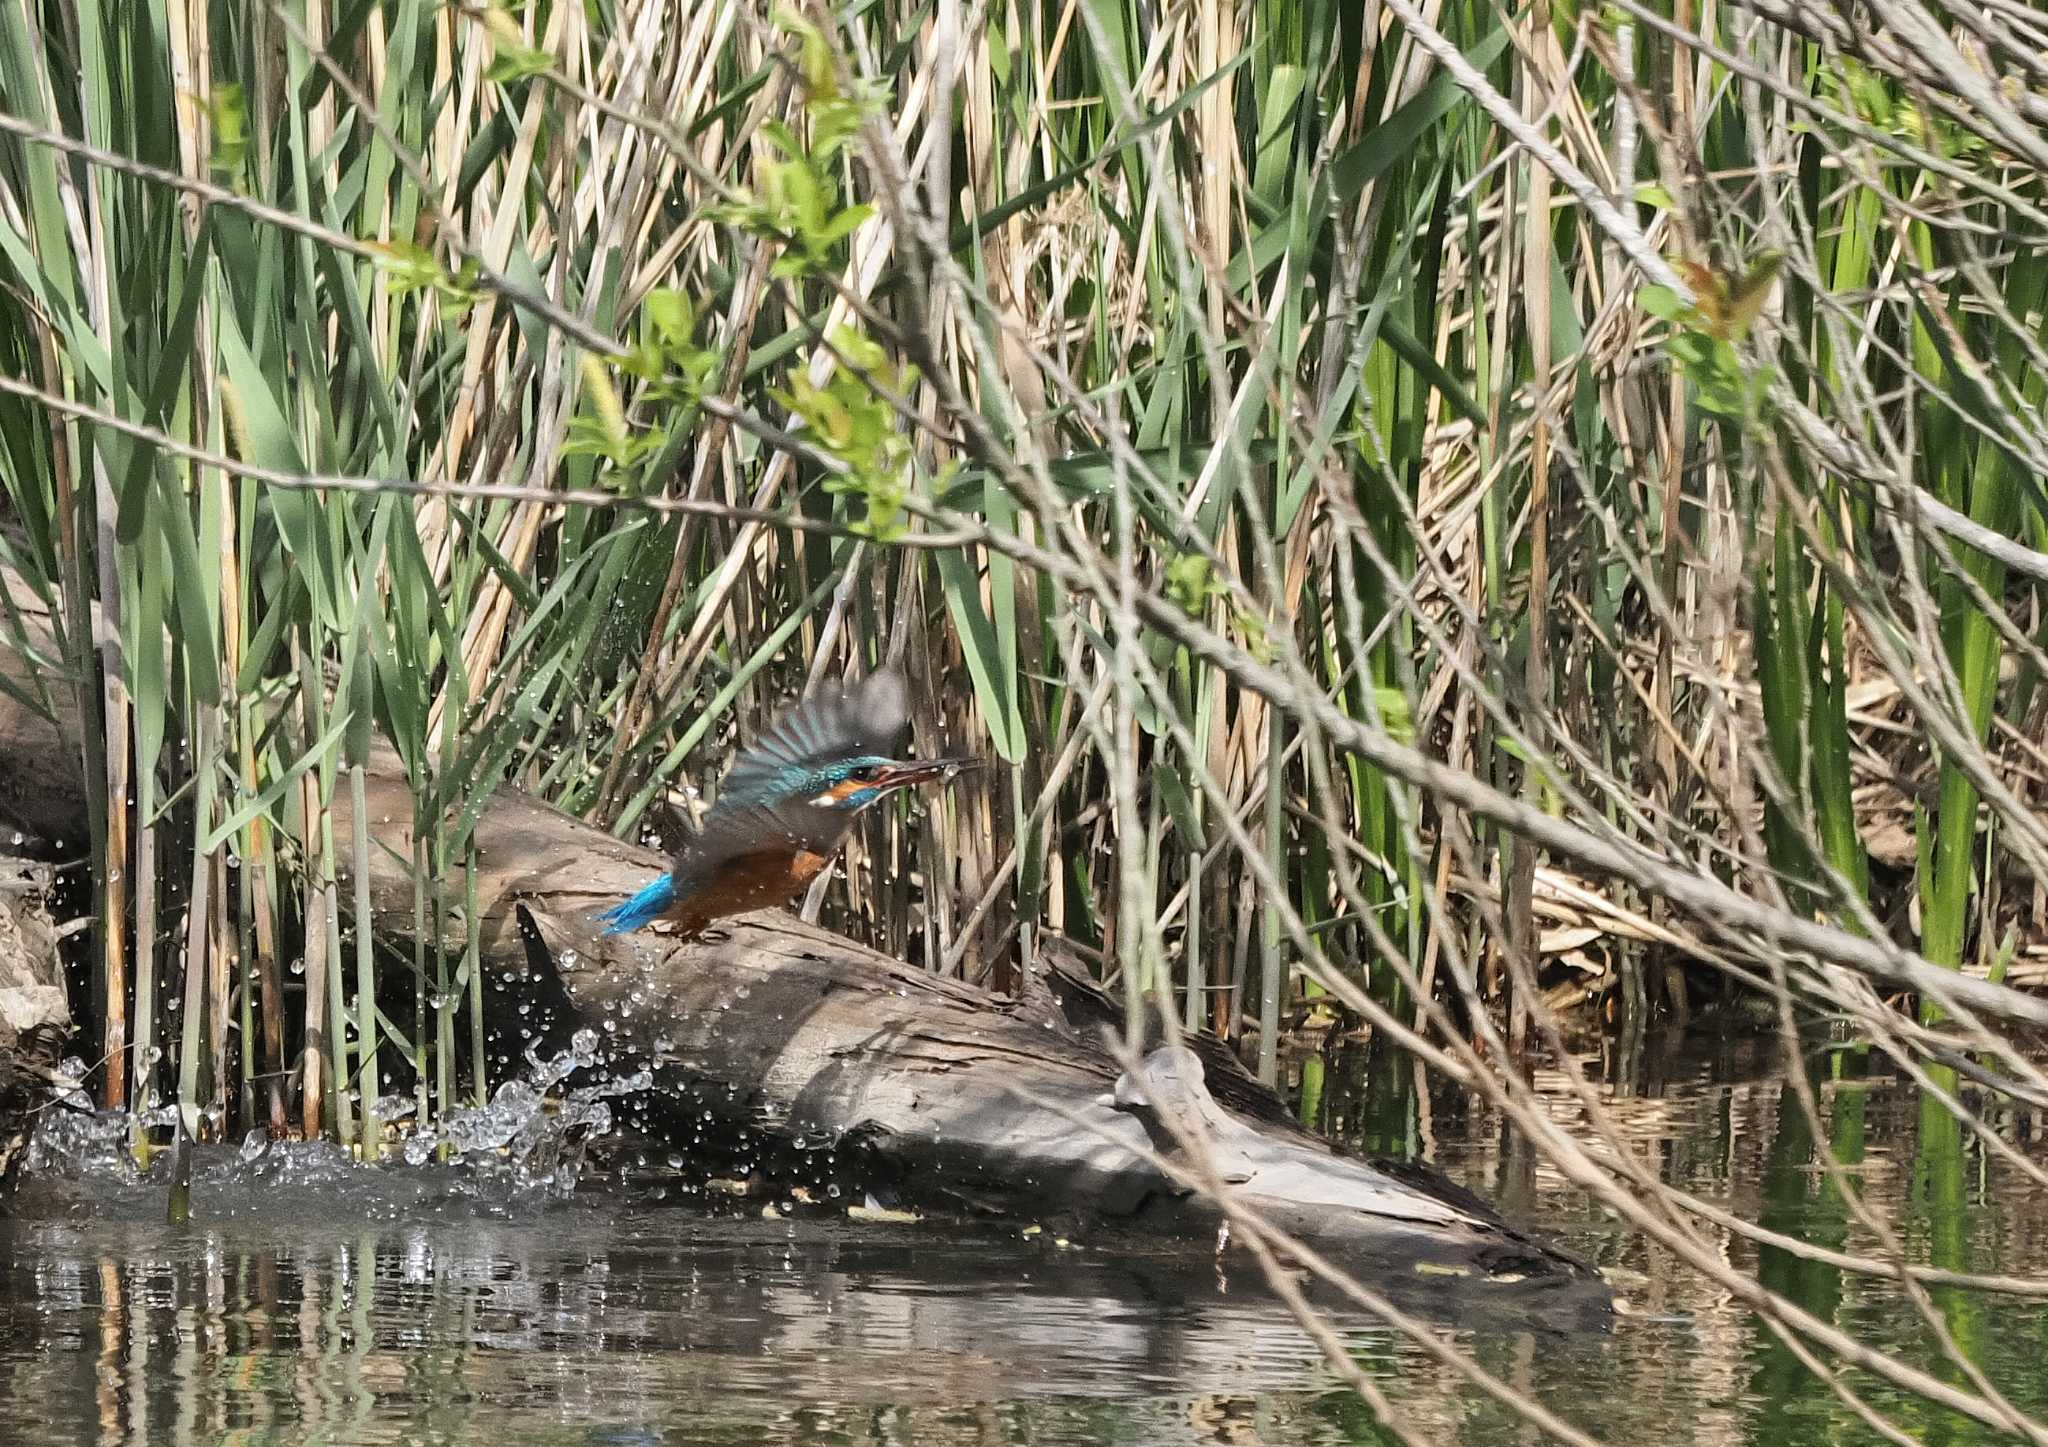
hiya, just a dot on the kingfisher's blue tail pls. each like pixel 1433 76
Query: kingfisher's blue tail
pixel 643 908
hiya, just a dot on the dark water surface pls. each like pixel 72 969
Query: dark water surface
pixel 311 1302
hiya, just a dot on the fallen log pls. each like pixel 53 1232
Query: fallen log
pixel 779 1039
pixel 950 1095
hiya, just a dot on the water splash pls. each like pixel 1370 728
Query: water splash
pixel 73 1144
pixel 395 1107
pixel 525 1136
pixel 528 1141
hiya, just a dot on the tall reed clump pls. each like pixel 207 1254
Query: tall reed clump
pixel 1397 504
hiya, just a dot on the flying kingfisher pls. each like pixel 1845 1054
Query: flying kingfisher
pixel 787 805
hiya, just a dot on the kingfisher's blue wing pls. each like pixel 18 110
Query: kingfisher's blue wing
pixel 870 718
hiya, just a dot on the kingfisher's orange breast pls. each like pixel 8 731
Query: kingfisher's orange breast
pixel 749 882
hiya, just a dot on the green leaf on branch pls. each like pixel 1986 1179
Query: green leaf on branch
pixel 512 59
pixel 1190 583
pixel 852 419
pixel 229 113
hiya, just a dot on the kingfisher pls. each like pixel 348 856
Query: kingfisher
pixel 786 806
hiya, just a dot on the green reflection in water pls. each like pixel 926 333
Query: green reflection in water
pixel 1941 1201
pixel 1800 1200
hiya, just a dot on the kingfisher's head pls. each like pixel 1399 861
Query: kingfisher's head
pixel 847 786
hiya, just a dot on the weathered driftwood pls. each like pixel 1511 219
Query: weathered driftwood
pixel 779 1038
pixel 34 1018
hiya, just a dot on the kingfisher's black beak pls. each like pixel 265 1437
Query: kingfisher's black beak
pixel 921 771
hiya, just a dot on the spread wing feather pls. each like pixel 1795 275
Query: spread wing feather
pixel 868 718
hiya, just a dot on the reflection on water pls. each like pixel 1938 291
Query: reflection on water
pixel 309 1302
